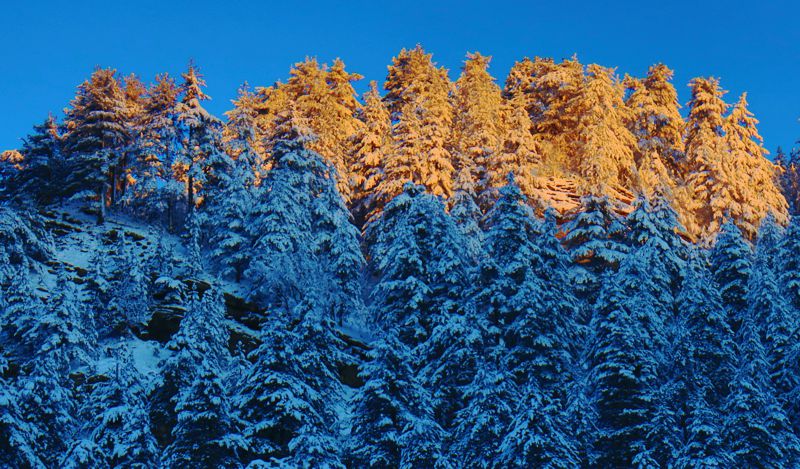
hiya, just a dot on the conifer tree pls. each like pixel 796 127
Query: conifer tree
pixel 705 445
pixel 117 423
pixel 418 99
pixel 705 151
pixel 393 425
pixel 536 437
pixel 656 121
pixel 204 431
pixel 789 268
pixel 604 150
pixel 416 255
pixel 712 350
pixel 595 240
pixel 629 324
pixel 202 336
pixel 280 403
pixel 229 217
pixel 508 284
pixel 477 123
pixel 371 146
pixel 300 219
pixel 758 431
pixel 37 178
pixel 155 190
pixel 731 260
pixel 17 435
pixel 97 122
pixel 200 160
pixel 467 215
pixel 753 177
pixel 481 426
pixel 517 153
pixel 549 100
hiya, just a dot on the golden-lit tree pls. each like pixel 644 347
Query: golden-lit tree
pixel 604 149
pixel 477 122
pixel 97 131
pixel 370 147
pixel 517 153
pixel 705 149
pixel 418 97
pixel 753 177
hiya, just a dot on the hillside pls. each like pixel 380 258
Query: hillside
pixel 563 272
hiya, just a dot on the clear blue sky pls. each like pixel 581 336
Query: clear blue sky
pixel 49 47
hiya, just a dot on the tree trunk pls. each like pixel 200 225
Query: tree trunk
pixel 101 212
pixel 190 195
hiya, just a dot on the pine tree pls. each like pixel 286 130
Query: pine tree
pixel 200 159
pixel 605 146
pixel 97 122
pixel 371 146
pixel 393 425
pixel 416 256
pixel 705 152
pixel 789 269
pixel 418 99
pixel 477 122
pixel 46 400
pixel 128 296
pixel 481 426
pixel 755 190
pixel 732 265
pixel 594 239
pixel 629 324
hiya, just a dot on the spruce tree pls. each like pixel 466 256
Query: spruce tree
pixel 418 99
pixel 371 146
pixel 536 437
pixel 481 426
pixel 200 160
pixel 97 122
pixel 629 325
pixel 705 151
pixel 393 425
pixel 416 256
pixel 605 146
pixel 754 177
pixel 37 179
pixel 595 240
pixel 731 260
pixel 477 122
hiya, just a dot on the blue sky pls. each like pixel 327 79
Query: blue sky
pixel 49 47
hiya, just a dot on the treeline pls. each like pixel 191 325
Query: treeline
pixel 563 128
pixel 502 340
